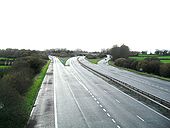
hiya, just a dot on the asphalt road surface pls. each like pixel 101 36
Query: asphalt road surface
pixel 154 86
pixel 83 100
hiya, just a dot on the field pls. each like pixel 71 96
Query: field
pixel 163 59
pixel 3 70
pixel 2 58
pixel 94 61
pixel 4 67
pixel 6 61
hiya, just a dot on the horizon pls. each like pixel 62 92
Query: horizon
pixel 89 25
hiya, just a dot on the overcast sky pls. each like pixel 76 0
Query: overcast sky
pixel 86 24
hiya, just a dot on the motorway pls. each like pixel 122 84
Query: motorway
pixel 154 86
pixel 83 100
pixel 42 115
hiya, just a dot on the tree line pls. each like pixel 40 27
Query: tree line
pixel 152 65
pixel 14 85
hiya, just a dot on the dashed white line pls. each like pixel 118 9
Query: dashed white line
pixel 113 121
pixel 108 114
pixel 104 109
pixel 95 99
pixel 118 126
pixel 97 102
pixel 117 101
pixel 140 118
pixel 101 106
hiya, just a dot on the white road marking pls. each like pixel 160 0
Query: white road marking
pixel 118 126
pixel 79 81
pixel 117 101
pixel 113 121
pixel 92 96
pixel 140 118
pixel 78 104
pixel 108 114
pixel 95 99
pixel 104 109
pixel 139 102
pixel 105 91
pixel 97 102
pixel 90 93
pixel 55 106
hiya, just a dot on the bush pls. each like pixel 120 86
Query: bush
pixel 22 72
pixel 149 66
pixel 165 70
pixel 120 62
pixel 90 56
pixel 20 80
pixel 11 112
pixel 134 65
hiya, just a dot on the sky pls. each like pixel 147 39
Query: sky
pixel 89 25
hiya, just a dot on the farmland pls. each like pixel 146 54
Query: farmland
pixel 4 70
pixel 163 59
pixel 6 61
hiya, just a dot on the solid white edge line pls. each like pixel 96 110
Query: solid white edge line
pixel 130 97
pixel 78 104
pixel 55 105
pixel 139 102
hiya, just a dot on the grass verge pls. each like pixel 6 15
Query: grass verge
pixel 94 61
pixel 32 92
pixel 140 73
pixel 63 59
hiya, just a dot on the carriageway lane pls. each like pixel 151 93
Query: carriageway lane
pixel 125 111
pixel 154 86
pixel 74 105
pixel 42 114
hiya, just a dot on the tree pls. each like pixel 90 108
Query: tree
pixel 120 62
pixel 119 52
pixel 165 70
pixel 124 51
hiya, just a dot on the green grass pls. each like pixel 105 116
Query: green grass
pixel 4 67
pixel 32 92
pixel 4 70
pixel 138 58
pixel 163 59
pixel 63 59
pixel 143 55
pixel 140 73
pixel 3 58
pixel 94 61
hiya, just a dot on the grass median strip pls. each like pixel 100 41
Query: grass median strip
pixel 94 61
pixel 63 60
